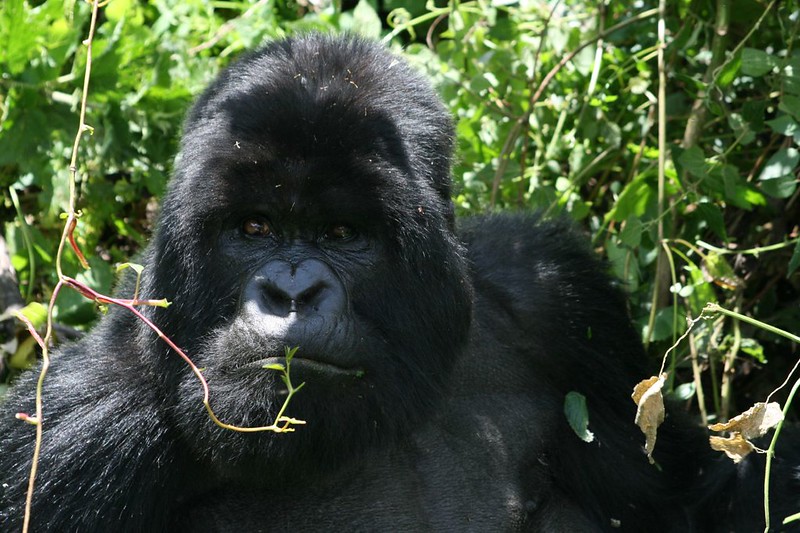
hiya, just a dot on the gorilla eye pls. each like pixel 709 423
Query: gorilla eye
pixel 339 232
pixel 256 227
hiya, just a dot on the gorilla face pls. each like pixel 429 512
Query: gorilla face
pixel 310 208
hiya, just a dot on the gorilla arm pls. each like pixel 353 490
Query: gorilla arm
pixel 560 324
pixel 104 447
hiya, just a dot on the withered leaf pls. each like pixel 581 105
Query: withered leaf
pixel 754 422
pixel 736 447
pixel 650 410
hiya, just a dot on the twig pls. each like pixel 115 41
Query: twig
pixel 68 226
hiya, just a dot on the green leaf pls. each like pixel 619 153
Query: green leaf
pixel 756 62
pixel 367 21
pixel 781 163
pixel 633 201
pixel 720 271
pixel 753 112
pixel 783 187
pixel 24 356
pixel 711 214
pixel 18 34
pixel 694 162
pixel 133 266
pixel 729 71
pixel 703 290
pixel 794 262
pixel 790 76
pixel 777 177
pixel 663 326
pixel 741 128
pixel 35 312
pixel 737 191
pixel 578 415
pixel 785 125
pixel 752 348
pixel 631 234
pixel 683 392
pixel 117 9
pixel 790 104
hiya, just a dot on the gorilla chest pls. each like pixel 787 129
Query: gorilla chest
pixel 449 478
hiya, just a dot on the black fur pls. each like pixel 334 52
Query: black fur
pixel 443 351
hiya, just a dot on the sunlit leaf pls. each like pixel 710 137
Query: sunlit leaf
pixel 649 410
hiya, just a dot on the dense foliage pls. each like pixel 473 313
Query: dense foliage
pixel 556 106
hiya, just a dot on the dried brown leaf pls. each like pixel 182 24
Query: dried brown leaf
pixel 641 388
pixel 650 410
pixel 736 446
pixel 754 422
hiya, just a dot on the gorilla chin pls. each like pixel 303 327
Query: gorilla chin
pixel 310 208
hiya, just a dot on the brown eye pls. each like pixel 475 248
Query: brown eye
pixel 340 232
pixel 256 227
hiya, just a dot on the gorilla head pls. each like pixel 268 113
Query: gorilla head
pixel 310 208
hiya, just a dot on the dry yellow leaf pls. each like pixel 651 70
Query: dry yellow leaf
pixel 650 410
pixel 641 388
pixel 754 422
pixel 736 447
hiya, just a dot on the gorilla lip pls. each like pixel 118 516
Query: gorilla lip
pixel 305 363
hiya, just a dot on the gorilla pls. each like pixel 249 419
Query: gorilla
pixel 310 208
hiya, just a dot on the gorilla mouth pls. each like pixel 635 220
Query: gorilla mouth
pixel 305 364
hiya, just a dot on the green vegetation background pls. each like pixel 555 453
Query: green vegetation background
pixel 556 106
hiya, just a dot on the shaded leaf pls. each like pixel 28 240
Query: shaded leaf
pixel 631 234
pixel 784 124
pixel 684 391
pixel 794 262
pixel 736 447
pixel 717 270
pixel 754 349
pixel 712 215
pixel 694 162
pixel 578 415
pixel 664 325
pixel 757 62
pixel 790 104
pixel 24 356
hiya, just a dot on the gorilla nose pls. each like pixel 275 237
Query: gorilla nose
pixel 308 288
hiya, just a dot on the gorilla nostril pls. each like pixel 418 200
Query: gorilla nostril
pixel 311 296
pixel 277 300
pixel 274 294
